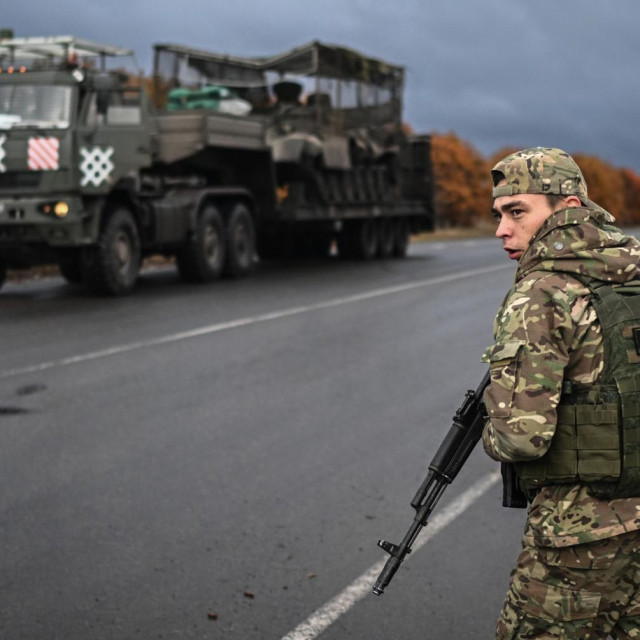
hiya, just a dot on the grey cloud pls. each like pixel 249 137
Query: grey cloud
pixel 498 73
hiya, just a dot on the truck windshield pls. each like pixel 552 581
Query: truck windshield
pixel 40 106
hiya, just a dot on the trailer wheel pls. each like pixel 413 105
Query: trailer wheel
pixel 365 239
pixel 71 266
pixel 3 272
pixel 240 241
pixel 112 266
pixel 358 239
pixel 386 237
pixel 202 258
pixel 400 237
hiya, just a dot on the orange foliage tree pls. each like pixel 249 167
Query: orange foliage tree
pixel 605 184
pixel 631 182
pixel 462 196
pixel 616 190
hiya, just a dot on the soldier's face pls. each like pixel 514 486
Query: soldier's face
pixel 519 217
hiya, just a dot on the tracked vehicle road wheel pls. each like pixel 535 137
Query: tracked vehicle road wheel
pixel 202 258
pixel 112 266
pixel 240 241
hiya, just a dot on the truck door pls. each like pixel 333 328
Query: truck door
pixel 115 138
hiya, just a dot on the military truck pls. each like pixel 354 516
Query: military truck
pixel 220 160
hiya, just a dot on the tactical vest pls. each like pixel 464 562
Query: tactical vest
pixel 597 437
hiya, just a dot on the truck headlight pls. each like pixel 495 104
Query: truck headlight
pixel 61 209
pixel 58 209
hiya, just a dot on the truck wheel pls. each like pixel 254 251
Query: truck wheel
pixel 113 265
pixel 71 266
pixel 202 258
pixel 400 237
pixel 365 239
pixel 3 272
pixel 240 241
pixel 386 237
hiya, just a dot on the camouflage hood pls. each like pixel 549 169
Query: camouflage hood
pixel 582 240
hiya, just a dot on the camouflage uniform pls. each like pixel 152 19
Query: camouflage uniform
pixel 578 575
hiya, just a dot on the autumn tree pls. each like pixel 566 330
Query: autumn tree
pixel 631 182
pixel 604 183
pixel 462 196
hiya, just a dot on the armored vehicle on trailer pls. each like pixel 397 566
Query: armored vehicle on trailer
pixel 285 155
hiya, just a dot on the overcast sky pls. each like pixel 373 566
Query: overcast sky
pixel 498 73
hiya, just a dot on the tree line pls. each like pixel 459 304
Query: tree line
pixel 463 186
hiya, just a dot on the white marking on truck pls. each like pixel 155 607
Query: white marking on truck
pixel 96 165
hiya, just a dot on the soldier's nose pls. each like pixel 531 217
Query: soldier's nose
pixel 503 229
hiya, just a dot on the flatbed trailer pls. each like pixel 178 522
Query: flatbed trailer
pixel 282 156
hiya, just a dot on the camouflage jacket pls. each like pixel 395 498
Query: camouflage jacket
pixel 546 332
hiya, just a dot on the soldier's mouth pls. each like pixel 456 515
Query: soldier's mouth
pixel 514 254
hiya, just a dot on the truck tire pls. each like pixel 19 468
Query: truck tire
pixel 365 239
pixel 240 241
pixel 386 237
pixel 112 266
pixel 202 258
pixel 400 237
pixel 71 266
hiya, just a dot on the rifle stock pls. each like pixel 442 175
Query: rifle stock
pixel 450 457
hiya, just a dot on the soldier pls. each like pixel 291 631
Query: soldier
pixel 563 403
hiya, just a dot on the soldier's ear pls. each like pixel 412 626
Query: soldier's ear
pixel 572 201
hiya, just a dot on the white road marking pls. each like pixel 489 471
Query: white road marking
pixel 243 322
pixel 326 615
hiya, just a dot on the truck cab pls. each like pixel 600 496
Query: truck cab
pixel 290 155
pixel 71 130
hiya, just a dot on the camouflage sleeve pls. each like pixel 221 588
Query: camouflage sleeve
pixel 533 332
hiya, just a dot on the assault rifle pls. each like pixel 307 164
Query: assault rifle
pixel 458 444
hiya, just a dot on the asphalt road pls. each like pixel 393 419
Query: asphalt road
pixel 219 462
